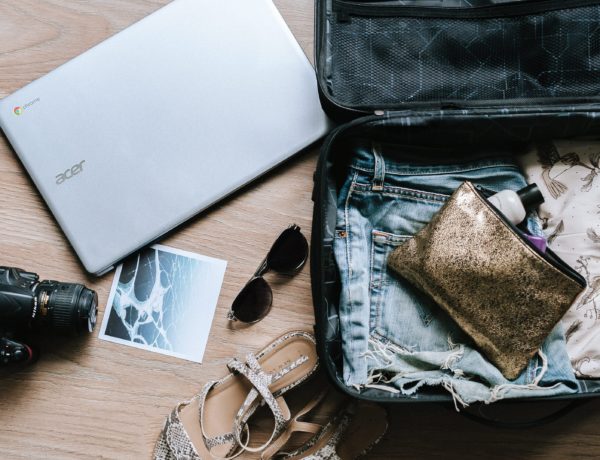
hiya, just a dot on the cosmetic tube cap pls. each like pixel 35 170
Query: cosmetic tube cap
pixel 531 197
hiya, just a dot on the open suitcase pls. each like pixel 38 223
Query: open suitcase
pixel 440 79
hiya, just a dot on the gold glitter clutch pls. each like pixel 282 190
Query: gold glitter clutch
pixel 501 291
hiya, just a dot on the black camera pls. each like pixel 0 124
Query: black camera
pixel 28 305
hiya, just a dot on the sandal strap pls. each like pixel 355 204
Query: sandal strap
pixel 260 380
pixel 253 394
pixel 214 441
pixel 176 439
pixel 295 426
pixel 201 400
pixel 253 363
pixel 254 373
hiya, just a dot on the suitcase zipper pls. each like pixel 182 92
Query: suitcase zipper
pixel 346 8
pixel 548 256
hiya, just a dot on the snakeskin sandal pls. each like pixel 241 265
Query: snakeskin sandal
pixel 213 424
pixel 352 429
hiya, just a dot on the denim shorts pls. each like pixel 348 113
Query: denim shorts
pixel 393 336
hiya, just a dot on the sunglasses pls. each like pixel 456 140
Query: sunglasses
pixel 287 256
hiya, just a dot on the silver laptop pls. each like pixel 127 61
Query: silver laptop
pixel 145 130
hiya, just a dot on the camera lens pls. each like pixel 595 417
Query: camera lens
pixel 66 308
pixel 88 309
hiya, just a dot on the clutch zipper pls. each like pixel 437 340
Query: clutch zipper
pixel 345 9
pixel 549 256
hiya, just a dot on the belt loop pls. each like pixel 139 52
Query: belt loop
pixel 379 175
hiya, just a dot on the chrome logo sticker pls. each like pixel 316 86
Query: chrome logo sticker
pixel 20 110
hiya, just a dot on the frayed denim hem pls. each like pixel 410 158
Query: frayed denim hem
pixel 393 369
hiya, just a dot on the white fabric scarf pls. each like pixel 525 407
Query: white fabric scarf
pixel 568 174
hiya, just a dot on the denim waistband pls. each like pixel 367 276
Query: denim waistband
pixel 365 160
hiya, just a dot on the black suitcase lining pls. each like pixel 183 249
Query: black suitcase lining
pixel 377 56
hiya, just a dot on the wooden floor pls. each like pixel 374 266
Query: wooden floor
pixel 93 399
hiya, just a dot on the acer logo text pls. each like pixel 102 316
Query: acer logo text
pixel 69 173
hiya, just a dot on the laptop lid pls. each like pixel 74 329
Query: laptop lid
pixel 160 121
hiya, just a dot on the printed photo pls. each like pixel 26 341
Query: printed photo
pixel 163 300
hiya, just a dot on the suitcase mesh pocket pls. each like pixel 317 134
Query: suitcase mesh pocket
pixel 376 62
